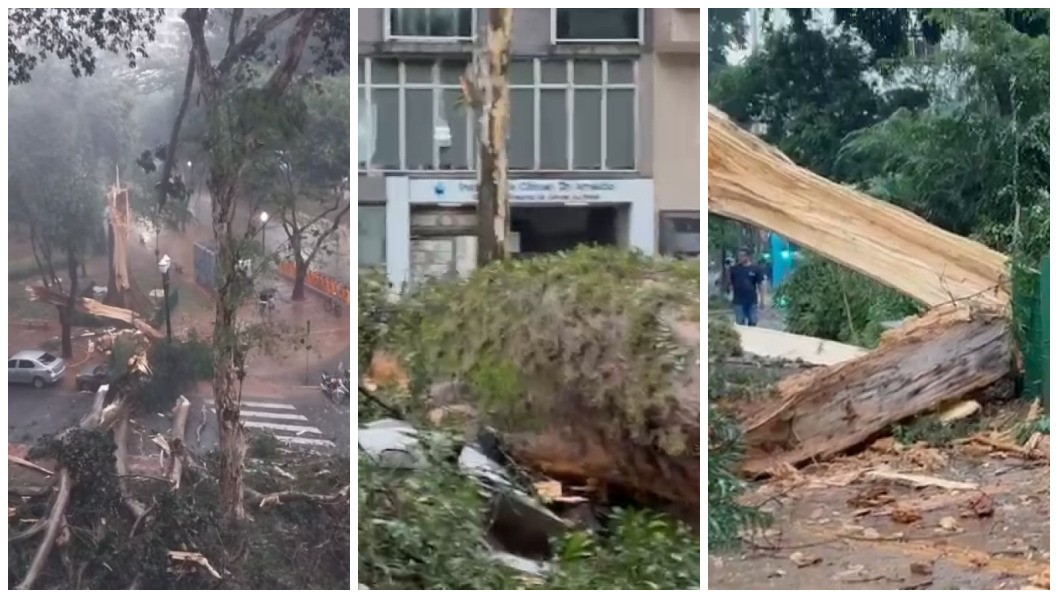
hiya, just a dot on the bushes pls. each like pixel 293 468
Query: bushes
pixel 825 300
pixel 424 529
pixel 175 368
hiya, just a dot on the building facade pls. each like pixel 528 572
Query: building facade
pixel 584 125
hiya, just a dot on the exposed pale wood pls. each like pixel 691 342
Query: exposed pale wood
pixel 918 481
pixel 180 413
pixel 777 344
pixel 754 183
pixel 95 308
pixel 947 354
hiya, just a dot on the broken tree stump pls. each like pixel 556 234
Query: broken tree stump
pixel 947 354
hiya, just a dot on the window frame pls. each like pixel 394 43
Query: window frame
pixel 388 35
pixel 569 87
pixel 640 40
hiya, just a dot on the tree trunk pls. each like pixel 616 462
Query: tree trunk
pixel 753 182
pixel 301 270
pixel 66 313
pixel 950 353
pixel 227 358
pixel 493 212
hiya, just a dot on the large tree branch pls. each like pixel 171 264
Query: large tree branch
pixel 255 38
pixel 284 73
pixel 196 26
pixel 174 134
pixel 233 28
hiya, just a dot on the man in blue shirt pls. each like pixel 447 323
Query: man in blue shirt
pixel 745 278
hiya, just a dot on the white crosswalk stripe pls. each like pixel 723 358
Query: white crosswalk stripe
pixel 263 415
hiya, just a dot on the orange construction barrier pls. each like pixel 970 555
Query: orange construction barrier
pixel 321 283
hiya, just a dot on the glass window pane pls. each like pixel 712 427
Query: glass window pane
pixel 455 156
pixel 553 122
pixel 371 236
pixel 361 70
pixel 365 136
pixel 452 70
pixel 520 145
pixel 620 129
pixel 587 129
pixel 418 134
pixel 619 72
pixel 587 72
pixel 553 71
pixel 597 23
pixel 418 71
pixel 387 131
pixel 521 72
pixel 383 70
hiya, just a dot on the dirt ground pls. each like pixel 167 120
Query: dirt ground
pixel 836 527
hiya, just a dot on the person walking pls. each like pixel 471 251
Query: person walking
pixel 745 279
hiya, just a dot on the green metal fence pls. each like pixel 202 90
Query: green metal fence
pixel 1034 307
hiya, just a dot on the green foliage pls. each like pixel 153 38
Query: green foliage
pixel 809 119
pixel 374 311
pixel 932 430
pixel 642 550
pixel 263 445
pixel 293 546
pixel 825 300
pixel 723 339
pixel 569 322
pixel 76 35
pixel 424 529
pixel 727 517
pixel 175 369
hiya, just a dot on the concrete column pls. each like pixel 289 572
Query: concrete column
pixel 398 231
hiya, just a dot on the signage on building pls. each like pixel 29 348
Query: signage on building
pixel 530 190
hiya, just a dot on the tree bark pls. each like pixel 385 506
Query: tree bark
pixel 493 211
pixel 66 313
pixel 301 270
pixel 225 167
pixel 950 353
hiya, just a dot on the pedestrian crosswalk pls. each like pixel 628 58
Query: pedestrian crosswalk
pixel 283 421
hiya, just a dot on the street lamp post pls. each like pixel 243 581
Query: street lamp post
pixel 163 267
pixel 264 223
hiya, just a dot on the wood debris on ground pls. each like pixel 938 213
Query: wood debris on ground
pixel 183 558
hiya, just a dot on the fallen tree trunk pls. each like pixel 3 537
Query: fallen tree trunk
pixel 95 308
pixel 753 182
pixel 947 354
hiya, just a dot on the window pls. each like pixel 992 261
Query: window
pixel 565 115
pixel 371 236
pixel 597 25
pixel 680 233
pixel 47 358
pixel 431 23
pixel 25 365
pixel 12 364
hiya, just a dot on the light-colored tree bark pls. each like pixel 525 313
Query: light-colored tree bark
pixel 486 90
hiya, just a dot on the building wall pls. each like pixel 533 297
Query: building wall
pixel 675 160
pixel 666 98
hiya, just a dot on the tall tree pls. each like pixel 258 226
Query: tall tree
pixel 486 89
pixel 245 100
pixel 65 135
pixel 304 182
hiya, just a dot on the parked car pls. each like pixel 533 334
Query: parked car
pixel 91 378
pixel 38 368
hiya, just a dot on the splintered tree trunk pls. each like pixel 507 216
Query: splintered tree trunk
pixel 226 353
pixel 493 211
pixel 950 353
